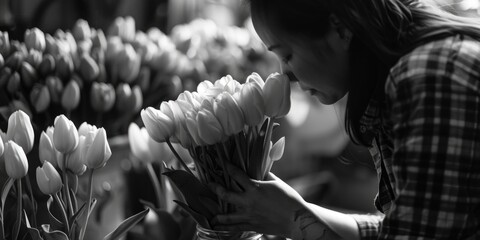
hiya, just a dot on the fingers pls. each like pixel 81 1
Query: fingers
pixel 231 197
pixel 240 177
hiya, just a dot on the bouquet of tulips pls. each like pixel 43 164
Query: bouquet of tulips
pixel 221 123
pixel 58 210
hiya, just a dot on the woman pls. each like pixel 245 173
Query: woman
pixel 412 73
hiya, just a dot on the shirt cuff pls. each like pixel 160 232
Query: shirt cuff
pixel 368 225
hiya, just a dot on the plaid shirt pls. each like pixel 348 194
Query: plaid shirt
pixel 426 145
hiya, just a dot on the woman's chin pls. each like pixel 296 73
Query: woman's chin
pixel 324 99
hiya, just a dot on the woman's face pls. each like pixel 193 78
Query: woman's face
pixel 320 65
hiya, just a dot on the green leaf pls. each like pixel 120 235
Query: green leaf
pixel 6 189
pixel 34 233
pixel 126 225
pixel 255 159
pixel 192 189
pixel 52 208
pixel 53 235
pixel 199 218
pixel 78 213
pixel 277 150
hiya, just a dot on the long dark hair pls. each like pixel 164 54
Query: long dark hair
pixel 384 30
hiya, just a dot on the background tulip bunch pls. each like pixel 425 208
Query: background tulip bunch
pixel 107 77
pixel 224 122
pixel 65 153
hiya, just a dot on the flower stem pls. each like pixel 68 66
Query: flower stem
pixel 66 189
pixel 64 213
pixel 16 228
pixel 157 188
pixel 90 191
pixel 178 157
pixel 240 153
pixel 34 202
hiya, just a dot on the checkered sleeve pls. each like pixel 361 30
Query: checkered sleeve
pixel 368 225
pixel 434 94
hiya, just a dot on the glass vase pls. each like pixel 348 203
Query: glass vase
pixel 207 234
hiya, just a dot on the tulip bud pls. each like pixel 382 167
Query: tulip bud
pixel 276 94
pixel 5 76
pixel 87 130
pixel 209 128
pixel 250 100
pixel 99 41
pixel 81 30
pixel 19 47
pixel 47 66
pixel 128 64
pixel 2 146
pixel 34 58
pixel 159 126
pixel 256 78
pixel 137 98
pixel 16 163
pixel 15 60
pixel 98 151
pixel 75 161
pixel 138 139
pixel 192 127
pixel 40 97
pixel 175 112
pixel 227 83
pixel 204 86
pixel 65 135
pixel 188 98
pixel 228 113
pixel 5 47
pixel 28 75
pixel 64 65
pixel 14 83
pixel 71 96
pixel 55 88
pixel 2 61
pixel 143 79
pixel 48 179
pixel 72 44
pixel 102 97
pixel 114 46
pixel 88 68
pixel 125 101
pixel 46 150
pixel 35 39
pixel 20 130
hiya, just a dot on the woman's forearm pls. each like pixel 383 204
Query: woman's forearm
pixel 315 222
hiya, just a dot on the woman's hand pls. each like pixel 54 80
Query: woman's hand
pixel 267 207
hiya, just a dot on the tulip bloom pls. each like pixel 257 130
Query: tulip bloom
pixel 227 83
pixel 254 77
pixel 128 64
pixel 250 100
pixel 209 128
pixel 102 97
pixel 35 39
pixel 16 164
pixel 2 146
pixel 40 97
pixel 75 161
pixel 71 96
pixel 65 135
pixel 276 94
pixel 48 179
pixel 89 69
pixel 20 130
pixel 204 86
pixel 81 30
pixel 228 113
pixel 138 139
pixel 192 127
pixel 46 150
pixel 159 126
pixel 97 150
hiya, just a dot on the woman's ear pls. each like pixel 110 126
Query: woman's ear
pixel 343 32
